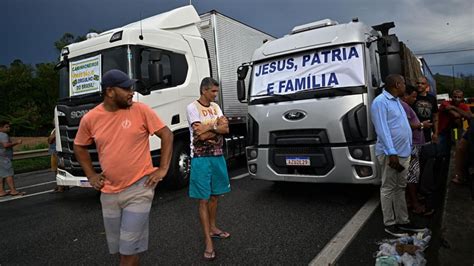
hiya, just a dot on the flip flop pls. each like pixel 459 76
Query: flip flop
pixel 428 212
pixel 419 210
pixel 6 194
pixel 18 194
pixel 209 256
pixel 221 235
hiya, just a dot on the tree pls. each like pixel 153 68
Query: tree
pixel 69 38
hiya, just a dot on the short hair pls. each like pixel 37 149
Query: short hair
pixel 392 79
pixel 410 89
pixel 4 122
pixel 424 78
pixel 207 83
pixel 456 91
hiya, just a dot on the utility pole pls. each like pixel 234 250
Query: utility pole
pixel 454 82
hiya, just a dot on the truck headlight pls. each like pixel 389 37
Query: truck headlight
pixel 252 154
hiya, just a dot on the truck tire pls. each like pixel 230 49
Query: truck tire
pixel 178 175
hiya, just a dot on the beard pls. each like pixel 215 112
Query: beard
pixel 123 104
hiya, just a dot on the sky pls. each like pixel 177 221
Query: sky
pixel 30 27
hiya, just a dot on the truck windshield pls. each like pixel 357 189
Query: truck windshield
pixel 81 78
pixel 317 73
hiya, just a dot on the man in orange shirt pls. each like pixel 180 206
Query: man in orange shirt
pixel 120 129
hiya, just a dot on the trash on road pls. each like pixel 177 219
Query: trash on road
pixel 407 250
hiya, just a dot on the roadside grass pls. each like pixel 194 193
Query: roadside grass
pixel 31 164
pixel 37 146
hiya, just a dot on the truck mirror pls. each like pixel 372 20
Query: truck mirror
pixel 241 90
pixel 242 72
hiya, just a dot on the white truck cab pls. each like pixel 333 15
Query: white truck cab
pixel 169 54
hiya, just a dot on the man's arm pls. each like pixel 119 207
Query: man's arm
pixel 203 132
pixel 461 112
pixel 222 125
pixel 84 159
pixel 166 137
pixel 11 144
pixel 379 119
pixel 435 135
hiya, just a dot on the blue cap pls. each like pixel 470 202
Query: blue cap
pixel 116 78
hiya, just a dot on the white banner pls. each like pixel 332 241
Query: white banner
pixel 341 66
pixel 85 76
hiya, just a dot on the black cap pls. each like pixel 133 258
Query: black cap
pixel 116 78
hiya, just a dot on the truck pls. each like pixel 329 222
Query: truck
pixel 309 100
pixel 169 54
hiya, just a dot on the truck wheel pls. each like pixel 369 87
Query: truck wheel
pixel 178 175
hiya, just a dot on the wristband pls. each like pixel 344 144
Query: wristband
pixel 421 126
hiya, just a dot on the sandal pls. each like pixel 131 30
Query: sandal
pixel 18 193
pixel 429 212
pixel 209 255
pixel 420 209
pixel 6 194
pixel 457 181
pixel 220 235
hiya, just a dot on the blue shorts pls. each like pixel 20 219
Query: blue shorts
pixel 208 177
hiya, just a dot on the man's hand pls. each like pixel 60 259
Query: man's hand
pixel 435 138
pixel 155 177
pixel 427 124
pixel 222 120
pixel 97 181
pixel 200 128
pixel 394 163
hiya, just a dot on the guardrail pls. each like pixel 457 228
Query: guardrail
pixel 30 154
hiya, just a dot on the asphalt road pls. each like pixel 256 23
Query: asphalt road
pixel 270 223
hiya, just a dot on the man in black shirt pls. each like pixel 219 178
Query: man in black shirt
pixel 426 108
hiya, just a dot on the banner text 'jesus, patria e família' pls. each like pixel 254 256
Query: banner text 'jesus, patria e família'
pixel 336 67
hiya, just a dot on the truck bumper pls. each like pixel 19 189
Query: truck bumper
pixel 64 178
pixel 345 169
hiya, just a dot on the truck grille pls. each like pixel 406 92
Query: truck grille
pixel 300 143
pixel 69 119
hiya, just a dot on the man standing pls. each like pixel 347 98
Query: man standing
pixel 426 108
pixel 393 149
pixel 6 157
pixel 120 129
pixel 451 115
pixel 209 177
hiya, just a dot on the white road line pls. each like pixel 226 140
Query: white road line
pixel 36 185
pixel 334 249
pixel 239 176
pixel 10 198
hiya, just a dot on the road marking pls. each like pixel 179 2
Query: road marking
pixel 334 249
pixel 10 198
pixel 239 176
pixel 36 185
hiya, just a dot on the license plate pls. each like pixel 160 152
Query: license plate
pixel 298 161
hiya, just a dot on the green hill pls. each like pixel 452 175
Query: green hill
pixel 445 84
